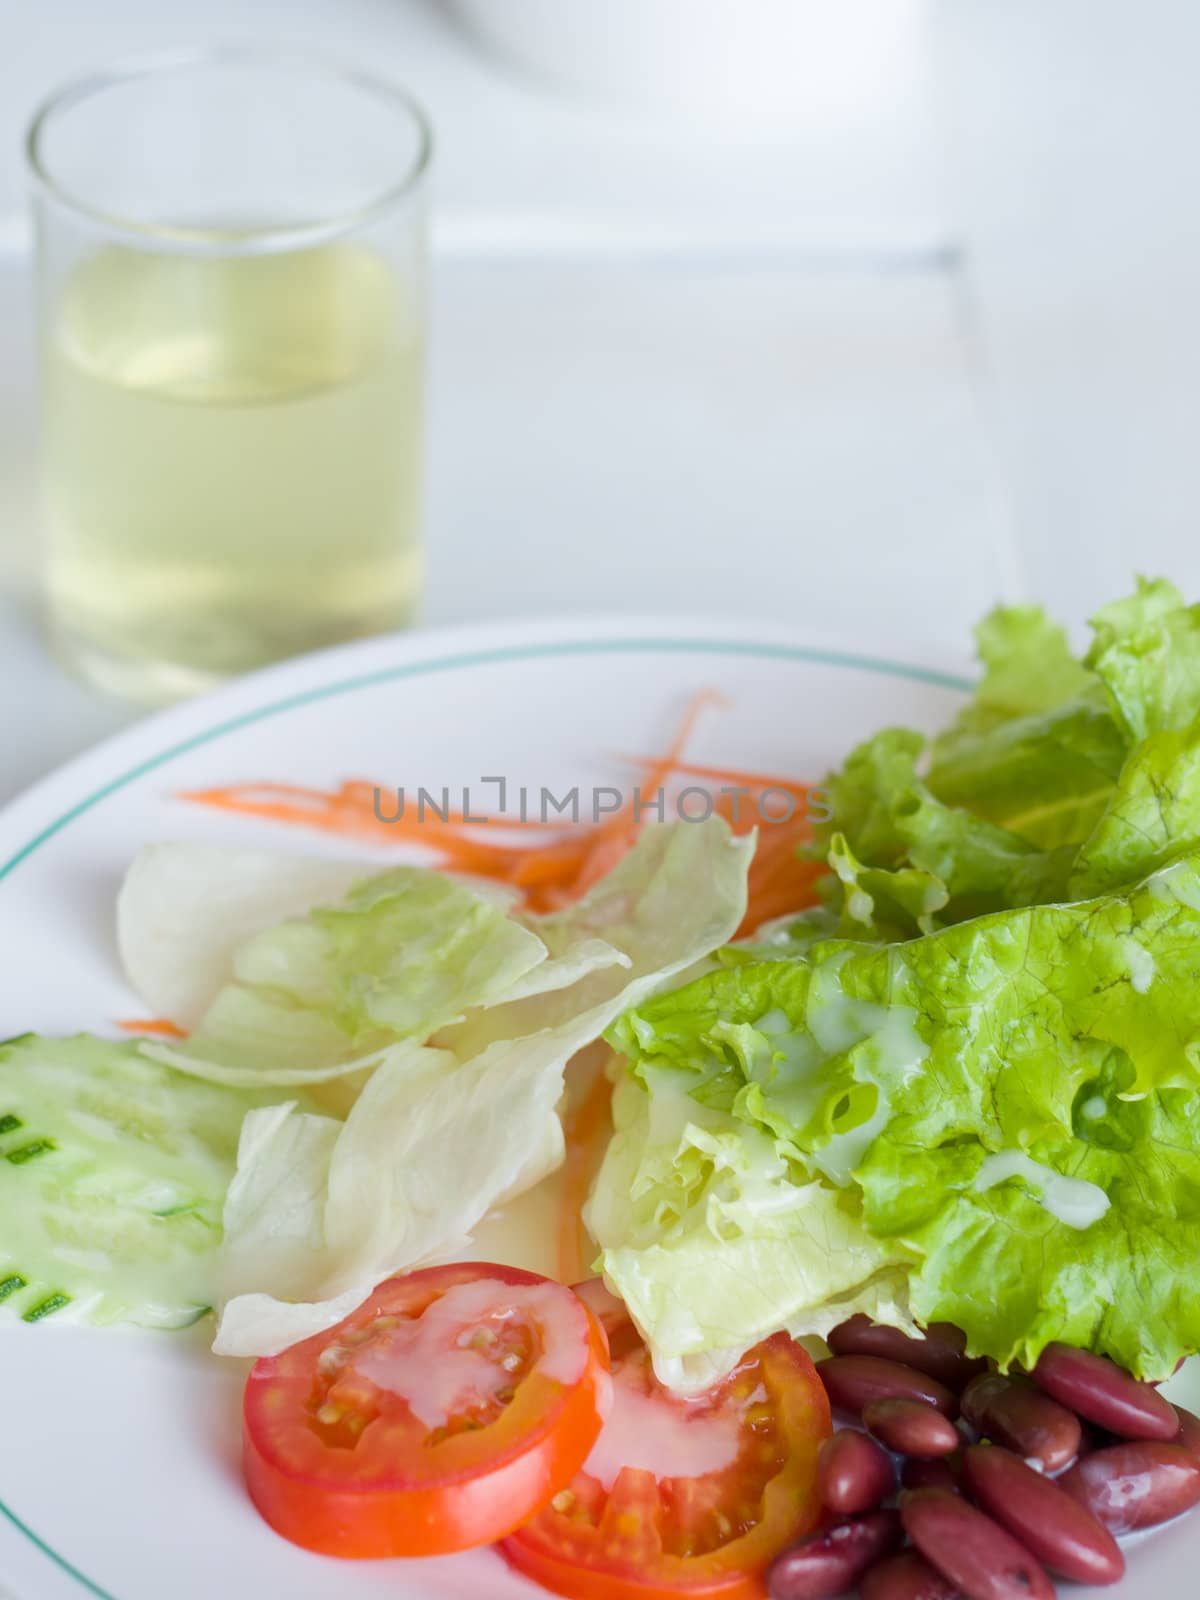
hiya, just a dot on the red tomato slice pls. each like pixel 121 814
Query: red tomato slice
pixel 684 1499
pixel 447 1410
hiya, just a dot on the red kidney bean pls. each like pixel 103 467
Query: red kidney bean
pixel 1060 1531
pixel 943 1474
pixel 1015 1414
pixel 911 1428
pixel 855 1473
pixel 1099 1390
pixel 852 1382
pixel 1189 1431
pixel 940 1354
pixel 907 1576
pixel 830 1563
pixel 970 1549
pixel 1137 1485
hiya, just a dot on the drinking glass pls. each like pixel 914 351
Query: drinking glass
pixel 232 266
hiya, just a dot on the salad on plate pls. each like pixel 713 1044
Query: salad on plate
pixel 686 1208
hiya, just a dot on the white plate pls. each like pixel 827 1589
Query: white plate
pixel 119 1477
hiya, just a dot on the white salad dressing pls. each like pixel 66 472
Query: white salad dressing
pixel 438 1363
pixel 655 1435
pixel 844 1153
pixel 1178 883
pixel 890 1049
pixel 773 1022
pixel 1071 1201
pixel 1142 968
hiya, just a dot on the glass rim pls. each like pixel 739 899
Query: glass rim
pixel 280 236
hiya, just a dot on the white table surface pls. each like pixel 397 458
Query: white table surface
pixel 1071 132
pixel 673 368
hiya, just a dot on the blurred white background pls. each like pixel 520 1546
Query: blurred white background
pixel 864 315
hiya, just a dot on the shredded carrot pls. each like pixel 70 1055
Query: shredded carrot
pixel 587 1127
pixel 161 1027
pixel 750 783
pixel 552 863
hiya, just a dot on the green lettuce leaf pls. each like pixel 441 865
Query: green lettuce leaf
pixel 1028 669
pixel 1152 674
pixel 1044 778
pixel 1152 816
pixel 1000 805
pixel 892 1074
pixel 881 900
pixel 1153 599
pixel 888 820
pixel 998 1260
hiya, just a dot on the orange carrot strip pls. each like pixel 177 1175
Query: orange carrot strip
pixel 349 809
pixel 160 1027
pixel 657 772
pixel 551 863
pixel 747 780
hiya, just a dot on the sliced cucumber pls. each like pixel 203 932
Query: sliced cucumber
pixel 113 1171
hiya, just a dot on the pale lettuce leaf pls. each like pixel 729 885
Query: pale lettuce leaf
pixel 441 1135
pixel 184 908
pixel 407 952
pixel 711 1234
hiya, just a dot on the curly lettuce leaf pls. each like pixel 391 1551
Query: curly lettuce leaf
pixel 1153 599
pixel 1028 669
pixel 1044 778
pixel 997 1258
pixel 1002 807
pixel 1152 816
pixel 882 901
pixel 1152 675
pixel 894 1073
pixel 890 822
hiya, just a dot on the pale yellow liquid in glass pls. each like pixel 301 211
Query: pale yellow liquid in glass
pixel 234 450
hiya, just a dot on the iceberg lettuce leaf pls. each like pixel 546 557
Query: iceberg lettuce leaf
pixel 184 908
pixel 440 1135
pixel 711 1235
pixel 407 952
